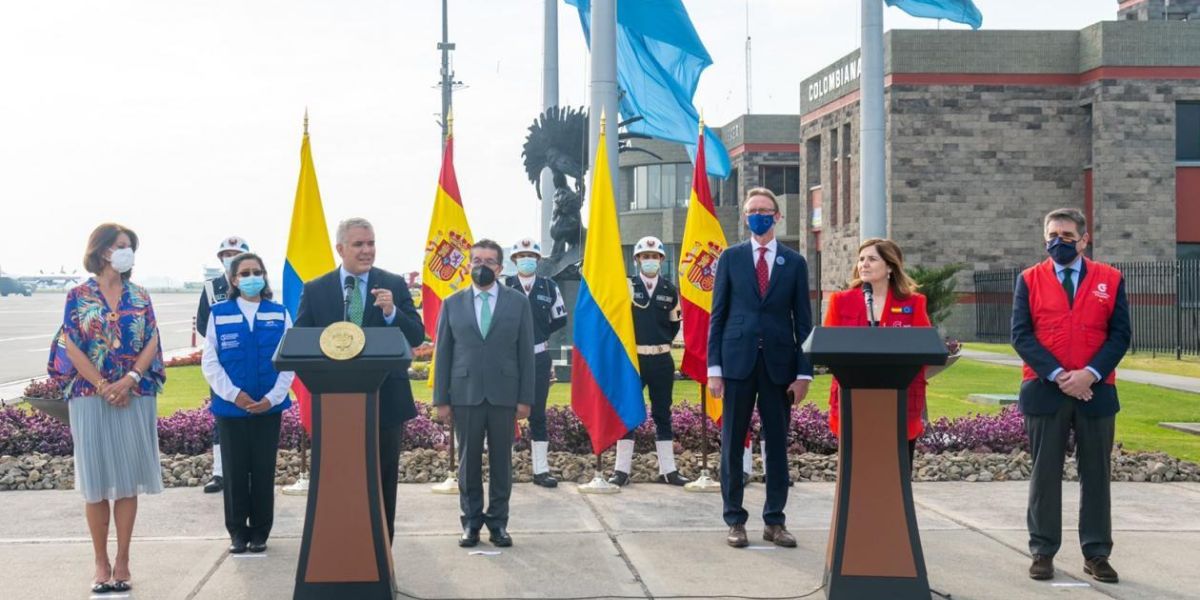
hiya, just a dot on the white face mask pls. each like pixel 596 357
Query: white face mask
pixel 650 267
pixel 122 259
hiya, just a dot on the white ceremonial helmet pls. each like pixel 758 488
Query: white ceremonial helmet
pixel 233 242
pixel 526 246
pixel 649 244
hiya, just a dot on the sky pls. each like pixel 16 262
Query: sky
pixel 182 120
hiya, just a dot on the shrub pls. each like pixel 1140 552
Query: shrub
pixel 938 286
pixel 190 360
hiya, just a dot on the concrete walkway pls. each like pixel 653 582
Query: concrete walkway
pixel 1173 382
pixel 650 541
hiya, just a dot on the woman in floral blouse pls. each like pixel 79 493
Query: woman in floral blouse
pixel 107 359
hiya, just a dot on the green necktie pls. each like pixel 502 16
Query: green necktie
pixel 1069 285
pixel 485 314
pixel 356 304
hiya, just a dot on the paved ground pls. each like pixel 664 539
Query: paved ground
pixel 27 324
pixel 1174 382
pixel 648 542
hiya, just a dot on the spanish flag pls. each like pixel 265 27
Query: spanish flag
pixel 703 242
pixel 606 388
pixel 446 267
pixel 309 254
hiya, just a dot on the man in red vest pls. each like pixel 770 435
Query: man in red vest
pixel 1070 325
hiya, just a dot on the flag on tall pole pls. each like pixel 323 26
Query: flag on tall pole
pixel 959 11
pixel 446 267
pixel 606 387
pixel 309 254
pixel 703 243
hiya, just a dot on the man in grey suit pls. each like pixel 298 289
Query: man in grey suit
pixel 483 381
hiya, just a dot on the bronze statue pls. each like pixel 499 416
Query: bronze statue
pixel 558 140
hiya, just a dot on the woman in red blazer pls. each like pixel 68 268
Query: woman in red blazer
pixel 897 304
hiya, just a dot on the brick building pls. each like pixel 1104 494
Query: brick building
pixel 653 191
pixel 986 131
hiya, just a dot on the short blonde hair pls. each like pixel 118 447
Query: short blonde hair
pixel 760 191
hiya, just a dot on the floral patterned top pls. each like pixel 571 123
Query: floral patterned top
pixel 111 339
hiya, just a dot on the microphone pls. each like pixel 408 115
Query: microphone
pixel 869 293
pixel 348 285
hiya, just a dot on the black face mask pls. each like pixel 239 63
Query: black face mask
pixel 1062 252
pixel 483 275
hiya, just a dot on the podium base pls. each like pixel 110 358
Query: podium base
pixel 599 486
pixel 704 483
pixel 300 488
pixel 449 486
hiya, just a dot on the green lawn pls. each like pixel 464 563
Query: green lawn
pixel 1143 406
pixel 1188 366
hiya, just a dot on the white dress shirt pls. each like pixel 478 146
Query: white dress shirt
pixel 772 250
pixel 494 291
pixel 361 286
pixel 218 379
pixel 649 283
pixel 527 283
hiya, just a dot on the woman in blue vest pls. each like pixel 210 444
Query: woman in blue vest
pixel 249 395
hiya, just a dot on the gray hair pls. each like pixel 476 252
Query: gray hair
pixel 345 226
pixel 1067 214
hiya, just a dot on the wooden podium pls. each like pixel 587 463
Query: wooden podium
pixel 874 544
pixel 345 552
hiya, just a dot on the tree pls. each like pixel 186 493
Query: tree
pixel 938 286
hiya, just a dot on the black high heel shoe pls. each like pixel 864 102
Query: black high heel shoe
pixel 103 587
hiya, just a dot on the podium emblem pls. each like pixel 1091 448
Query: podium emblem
pixel 342 341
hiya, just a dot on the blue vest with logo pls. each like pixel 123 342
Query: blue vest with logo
pixel 246 355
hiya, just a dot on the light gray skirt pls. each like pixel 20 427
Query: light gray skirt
pixel 116 449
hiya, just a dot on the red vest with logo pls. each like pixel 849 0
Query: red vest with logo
pixel 1072 333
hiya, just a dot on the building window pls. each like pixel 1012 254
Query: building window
pixel 1187 131
pixel 653 187
pixel 846 173
pixel 781 179
pixel 834 177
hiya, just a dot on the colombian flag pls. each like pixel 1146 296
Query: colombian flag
pixel 606 388
pixel 703 242
pixel 309 254
pixel 447 267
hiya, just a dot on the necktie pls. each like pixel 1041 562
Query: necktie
pixel 527 288
pixel 485 314
pixel 356 304
pixel 1069 285
pixel 764 275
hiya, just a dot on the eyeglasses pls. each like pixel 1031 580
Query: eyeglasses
pixel 761 211
pixel 475 262
pixel 251 273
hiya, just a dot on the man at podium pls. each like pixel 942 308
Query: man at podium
pixel 369 297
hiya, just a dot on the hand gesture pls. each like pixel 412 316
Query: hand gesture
pixel 384 300
pixel 117 392
pixel 798 390
pixel 244 401
pixel 1077 384
pixel 716 387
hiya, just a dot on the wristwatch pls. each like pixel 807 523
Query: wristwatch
pixel 137 377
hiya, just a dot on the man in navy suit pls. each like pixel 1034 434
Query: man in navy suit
pixel 760 316
pixel 370 297
pixel 1070 324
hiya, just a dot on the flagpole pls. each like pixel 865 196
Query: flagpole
pixel 705 482
pixel 872 153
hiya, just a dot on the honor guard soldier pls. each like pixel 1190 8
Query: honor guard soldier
pixel 217 290
pixel 656 322
pixel 549 315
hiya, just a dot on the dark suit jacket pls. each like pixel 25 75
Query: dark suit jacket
pixel 1041 396
pixel 470 369
pixel 743 320
pixel 323 302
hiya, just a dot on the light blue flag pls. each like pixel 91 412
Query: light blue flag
pixel 659 60
pixel 959 11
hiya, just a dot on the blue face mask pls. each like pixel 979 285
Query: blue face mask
pixel 650 267
pixel 1062 252
pixel 760 224
pixel 527 265
pixel 252 286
